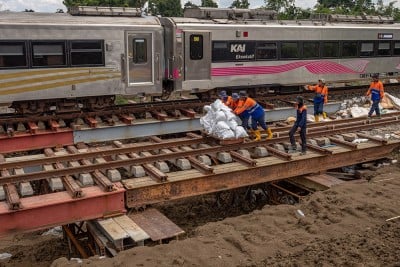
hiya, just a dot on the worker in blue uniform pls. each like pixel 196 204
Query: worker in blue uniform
pixel 300 125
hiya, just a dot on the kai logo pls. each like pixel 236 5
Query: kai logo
pixel 235 48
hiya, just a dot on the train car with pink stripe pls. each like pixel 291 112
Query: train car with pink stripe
pixel 250 49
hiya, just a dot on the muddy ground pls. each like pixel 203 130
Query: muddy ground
pixel 342 226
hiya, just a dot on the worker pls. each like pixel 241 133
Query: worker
pixel 300 125
pixel 244 116
pixel 256 112
pixel 227 100
pixel 320 98
pixel 377 93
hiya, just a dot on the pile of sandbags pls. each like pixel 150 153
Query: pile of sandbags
pixel 221 122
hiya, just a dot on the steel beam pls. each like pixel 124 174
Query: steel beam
pixel 204 184
pixel 44 211
pixel 23 142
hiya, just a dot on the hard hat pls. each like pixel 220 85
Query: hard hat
pixel 322 80
pixel 222 94
pixel 243 94
pixel 235 96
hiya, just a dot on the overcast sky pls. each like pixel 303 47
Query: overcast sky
pixel 53 5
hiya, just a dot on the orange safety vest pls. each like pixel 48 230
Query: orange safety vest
pixel 376 88
pixel 244 105
pixel 322 90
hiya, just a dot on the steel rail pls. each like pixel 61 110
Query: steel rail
pixel 314 131
pixel 153 158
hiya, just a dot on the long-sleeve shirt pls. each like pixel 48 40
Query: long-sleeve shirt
pixel 301 117
pixel 321 91
pixel 251 106
pixel 376 91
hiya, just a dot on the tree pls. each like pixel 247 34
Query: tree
pixel 208 3
pixel 286 8
pixel 166 8
pixel 189 4
pixel 59 10
pixel 29 10
pixel 240 4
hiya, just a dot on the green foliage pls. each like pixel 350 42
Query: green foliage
pixel 166 8
pixel 189 4
pixel 208 3
pixel 240 4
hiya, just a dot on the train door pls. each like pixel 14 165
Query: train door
pixel 140 58
pixel 197 55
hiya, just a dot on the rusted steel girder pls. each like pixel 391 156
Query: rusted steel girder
pixel 44 211
pixel 22 142
pixel 204 184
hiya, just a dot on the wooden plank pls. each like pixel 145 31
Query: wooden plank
pixel 114 232
pixel 134 231
pixel 323 180
pixel 156 224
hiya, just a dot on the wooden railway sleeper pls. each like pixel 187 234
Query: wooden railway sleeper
pixel 12 197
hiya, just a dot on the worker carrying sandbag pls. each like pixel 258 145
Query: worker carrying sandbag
pixel 257 113
pixel 320 98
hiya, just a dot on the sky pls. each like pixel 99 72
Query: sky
pixel 53 5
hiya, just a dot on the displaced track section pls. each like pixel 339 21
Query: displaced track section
pixel 80 182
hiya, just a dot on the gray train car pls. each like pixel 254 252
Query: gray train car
pixel 225 48
pixel 78 60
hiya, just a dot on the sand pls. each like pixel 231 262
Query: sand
pixel 342 226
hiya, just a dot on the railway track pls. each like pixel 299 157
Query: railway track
pixel 104 179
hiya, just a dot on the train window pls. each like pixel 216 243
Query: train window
pixel 196 47
pixel 289 50
pixel 311 49
pixel 12 54
pixel 349 49
pixel 220 45
pixel 396 49
pixel 48 54
pixel 367 49
pixel 139 50
pixel 266 50
pixel 87 53
pixel 383 48
pixel 330 49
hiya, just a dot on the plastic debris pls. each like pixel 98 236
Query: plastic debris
pixel 56 231
pixel 5 256
pixel 300 214
pixel 78 260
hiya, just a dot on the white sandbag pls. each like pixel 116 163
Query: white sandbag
pixel 207 108
pixel 232 124
pixel 227 134
pixel 240 132
pixel 220 116
pixel 229 114
pixel 359 112
pixel 217 105
pixel 395 101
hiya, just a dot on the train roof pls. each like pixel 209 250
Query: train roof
pixel 289 23
pixel 37 18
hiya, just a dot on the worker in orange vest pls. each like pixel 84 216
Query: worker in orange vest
pixel 320 98
pixel 256 112
pixel 377 93
pixel 227 100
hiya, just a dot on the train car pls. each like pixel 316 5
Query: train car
pixel 62 61
pixel 238 48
